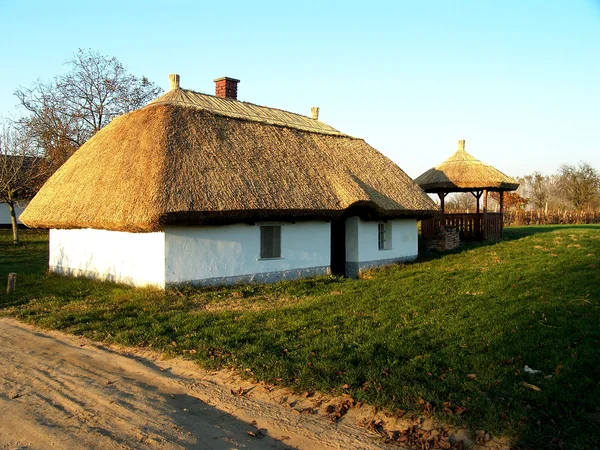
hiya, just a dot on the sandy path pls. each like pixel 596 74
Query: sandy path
pixel 59 391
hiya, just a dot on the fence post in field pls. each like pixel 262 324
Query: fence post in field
pixel 12 281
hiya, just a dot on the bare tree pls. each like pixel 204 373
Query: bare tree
pixel 21 169
pixel 537 188
pixel 66 112
pixel 461 202
pixel 580 185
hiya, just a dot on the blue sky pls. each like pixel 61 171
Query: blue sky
pixel 519 79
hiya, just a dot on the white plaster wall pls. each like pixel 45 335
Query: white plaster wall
pixel 5 213
pixel 198 253
pixel 131 258
pixel 362 242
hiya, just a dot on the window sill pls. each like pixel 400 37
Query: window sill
pixel 269 259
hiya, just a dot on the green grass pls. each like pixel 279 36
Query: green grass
pixel 448 332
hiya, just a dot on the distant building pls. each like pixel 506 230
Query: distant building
pixel 5 221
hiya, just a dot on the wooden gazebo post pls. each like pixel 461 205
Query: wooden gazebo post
pixel 485 221
pixel 477 224
pixel 442 196
pixel 501 212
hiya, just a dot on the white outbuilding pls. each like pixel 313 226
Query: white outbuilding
pixel 203 189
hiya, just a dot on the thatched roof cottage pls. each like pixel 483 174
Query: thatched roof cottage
pixel 208 189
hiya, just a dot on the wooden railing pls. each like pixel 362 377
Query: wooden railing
pixel 487 226
pixel 494 227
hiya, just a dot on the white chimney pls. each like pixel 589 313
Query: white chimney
pixel 174 81
pixel 314 112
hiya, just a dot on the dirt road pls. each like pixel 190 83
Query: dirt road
pixel 64 392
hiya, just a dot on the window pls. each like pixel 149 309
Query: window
pixel 384 236
pixel 270 241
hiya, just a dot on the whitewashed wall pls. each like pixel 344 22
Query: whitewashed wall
pixel 131 258
pixel 231 253
pixel 222 254
pixel 5 213
pixel 404 240
pixel 362 248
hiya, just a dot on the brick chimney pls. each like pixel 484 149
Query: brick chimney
pixel 226 87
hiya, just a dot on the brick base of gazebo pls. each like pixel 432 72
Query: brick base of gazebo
pixel 443 239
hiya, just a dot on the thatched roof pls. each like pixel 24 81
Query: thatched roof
pixel 191 158
pixel 243 110
pixel 462 172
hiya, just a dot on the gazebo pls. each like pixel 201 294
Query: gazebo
pixel 464 173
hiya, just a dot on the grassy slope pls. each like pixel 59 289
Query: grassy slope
pixel 436 336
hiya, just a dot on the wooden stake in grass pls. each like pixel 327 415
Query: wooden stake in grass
pixel 12 281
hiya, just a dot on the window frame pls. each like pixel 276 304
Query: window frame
pixel 275 241
pixel 384 236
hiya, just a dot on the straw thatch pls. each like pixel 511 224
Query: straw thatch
pixel 462 172
pixel 185 160
pixel 243 110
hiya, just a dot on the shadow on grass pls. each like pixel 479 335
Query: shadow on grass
pixel 407 333
pixel 554 332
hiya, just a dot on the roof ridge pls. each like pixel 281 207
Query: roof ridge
pixel 238 109
pixel 247 103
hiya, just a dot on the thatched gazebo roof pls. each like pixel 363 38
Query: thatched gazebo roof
pixel 462 173
pixel 192 158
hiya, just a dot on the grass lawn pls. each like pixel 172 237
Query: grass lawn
pixel 448 335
